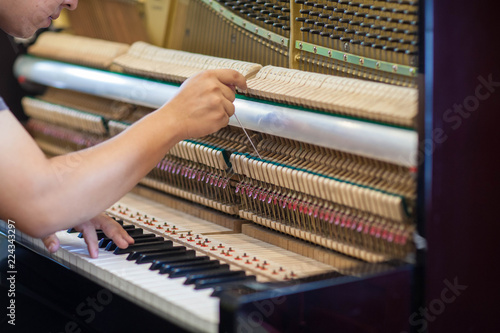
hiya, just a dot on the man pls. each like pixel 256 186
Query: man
pixel 42 201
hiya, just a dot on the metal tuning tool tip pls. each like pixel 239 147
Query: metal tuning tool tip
pixel 248 136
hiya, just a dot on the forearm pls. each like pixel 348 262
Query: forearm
pixel 78 186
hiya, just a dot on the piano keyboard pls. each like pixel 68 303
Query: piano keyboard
pixel 220 254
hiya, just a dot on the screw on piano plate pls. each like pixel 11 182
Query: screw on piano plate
pixel 377 64
pixel 292 274
pixel 361 61
pixel 220 246
pixel 256 30
pixel 269 35
pixel 395 68
pixel 282 41
pixel 165 224
pixel 300 46
pixel 206 240
pixel 198 237
pixel 255 259
pixel 213 248
pixel 281 269
pixel 230 249
pixel 245 255
pixel 265 263
pixel 330 53
pixel 173 232
pixel 181 236
pixel 274 272
pixel 345 57
pixel 189 233
pixel 237 258
pixel 244 25
pixel 315 49
pixel 258 266
pixel 247 262
pixel 412 71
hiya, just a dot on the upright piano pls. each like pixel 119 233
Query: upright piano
pixel 324 231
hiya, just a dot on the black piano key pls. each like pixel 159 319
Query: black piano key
pixel 221 281
pixel 220 272
pixel 119 221
pixel 173 251
pixel 105 241
pixel 167 266
pixel 160 245
pixel 157 264
pixel 100 234
pixel 134 232
pixel 129 227
pixel 195 262
pixel 72 231
pixel 136 254
pixel 210 266
pixel 111 246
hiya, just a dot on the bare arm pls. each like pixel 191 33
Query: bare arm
pixel 46 195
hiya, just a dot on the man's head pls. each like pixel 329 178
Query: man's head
pixel 22 18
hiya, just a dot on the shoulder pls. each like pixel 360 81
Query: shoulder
pixel 3 106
